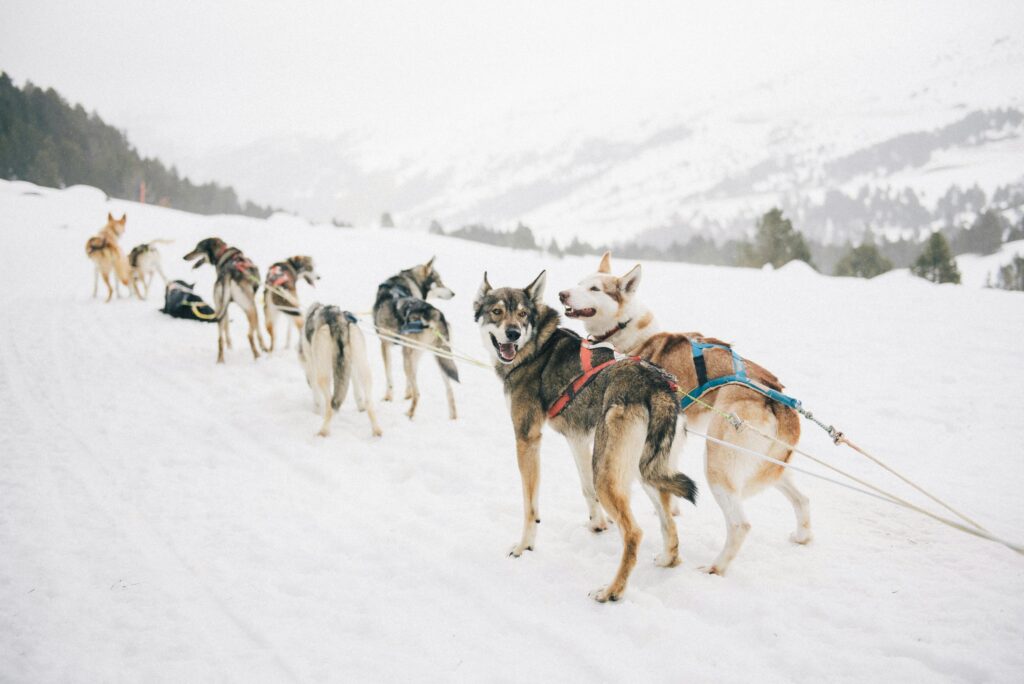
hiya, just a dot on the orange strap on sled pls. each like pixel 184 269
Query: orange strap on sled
pixel 590 372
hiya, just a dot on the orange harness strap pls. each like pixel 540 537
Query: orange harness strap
pixel 590 371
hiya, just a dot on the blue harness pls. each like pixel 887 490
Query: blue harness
pixel 738 377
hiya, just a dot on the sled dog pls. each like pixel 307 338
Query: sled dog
pixel 143 262
pixel 237 281
pixel 105 252
pixel 332 351
pixel 401 308
pixel 610 311
pixel 280 293
pixel 627 411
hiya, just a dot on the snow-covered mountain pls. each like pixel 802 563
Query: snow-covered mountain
pixel 839 145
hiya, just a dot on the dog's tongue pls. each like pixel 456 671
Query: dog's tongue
pixel 507 351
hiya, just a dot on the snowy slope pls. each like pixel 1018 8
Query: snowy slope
pixel 701 158
pixel 166 519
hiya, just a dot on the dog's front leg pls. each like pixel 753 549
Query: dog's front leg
pixel 527 426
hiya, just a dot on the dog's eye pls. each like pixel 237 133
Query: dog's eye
pixel 521 314
pixel 495 312
pixel 594 289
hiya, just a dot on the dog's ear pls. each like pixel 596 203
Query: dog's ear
pixel 485 288
pixel 629 282
pixel 606 263
pixel 110 217
pixel 124 217
pixel 430 264
pixel 535 290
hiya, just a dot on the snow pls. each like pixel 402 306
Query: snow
pixel 975 269
pixel 163 518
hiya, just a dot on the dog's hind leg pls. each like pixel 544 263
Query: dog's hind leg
pixel 669 558
pixel 411 358
pixel 220 303
pixel 736 524
pixel 385 351
pixel 450 394
pixel 269 318
pixel 583 454
pixel 323 386
pixel 617 446
pixel 803 534
pixel 254 329
pixel 110 290
pixel 362 385
pixel 95 281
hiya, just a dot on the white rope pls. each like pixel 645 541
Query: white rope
pixel 882 495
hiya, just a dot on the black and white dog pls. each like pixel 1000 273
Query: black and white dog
pixel 401 309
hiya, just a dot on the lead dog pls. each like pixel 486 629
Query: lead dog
pixel 391 314
pixel 332 351
pixel 280 293
pixel 610 312
pixel 104 250
pixel 143 263
pixel 237 281
pixel 627 411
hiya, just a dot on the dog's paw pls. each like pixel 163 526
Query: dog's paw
pixel 712 570
pixel 664 560
pixel 517 550
pixel 801 536
pixel 387 396
pixel 603 594
pixel 377 432
pixel 597 524
pixel 324 433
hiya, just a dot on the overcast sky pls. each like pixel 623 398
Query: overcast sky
pixel 183 77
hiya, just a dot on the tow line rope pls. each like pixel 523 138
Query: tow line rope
pixel 838 438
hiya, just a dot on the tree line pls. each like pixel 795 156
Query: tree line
pixel 46 141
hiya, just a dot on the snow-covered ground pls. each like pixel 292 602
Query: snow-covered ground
pixel 166 519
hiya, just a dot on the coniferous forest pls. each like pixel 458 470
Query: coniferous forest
pixel 47 141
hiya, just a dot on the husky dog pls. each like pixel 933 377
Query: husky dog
pixel 280 294
pixel 331 347
pixel 143 262
pixel 416 283
pixel 610 312
pixel 105 252
pixel 181 301
pixel 627 411
pixel 237 281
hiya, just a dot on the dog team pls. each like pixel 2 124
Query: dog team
pixel 623 397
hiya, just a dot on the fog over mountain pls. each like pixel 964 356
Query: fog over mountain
pixel 838 151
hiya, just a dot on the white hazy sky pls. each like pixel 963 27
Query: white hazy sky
pixel 182 77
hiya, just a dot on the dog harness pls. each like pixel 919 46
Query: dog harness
pixel 278 275
pixel 737 377
pixel 234 257
pixel 590 372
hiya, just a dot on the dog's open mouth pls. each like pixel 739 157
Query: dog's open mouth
pixel 579 313
pixel 506 351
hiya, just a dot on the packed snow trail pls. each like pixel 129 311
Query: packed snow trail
pixel 163 518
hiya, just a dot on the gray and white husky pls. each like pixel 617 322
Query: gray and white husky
pixel 619 421
pixel 332 351
pixel 401 309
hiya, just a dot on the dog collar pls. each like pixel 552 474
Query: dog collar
pixel 618 327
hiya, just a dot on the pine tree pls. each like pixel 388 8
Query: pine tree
pixel 386 221
pixel 985 235
pixel 775 243
pixel 435 228
pixel 864 261
pixel 1011 276
pixel 936 263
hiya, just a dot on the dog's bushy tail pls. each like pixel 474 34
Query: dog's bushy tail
pixel 447 365
pixel 655 466
pixel 338 326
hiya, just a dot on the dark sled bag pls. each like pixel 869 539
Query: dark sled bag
pixel 181 301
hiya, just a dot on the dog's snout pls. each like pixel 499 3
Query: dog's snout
pixel 563 296
pixel 512 333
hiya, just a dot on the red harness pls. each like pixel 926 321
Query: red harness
pixel 590 372
pixel 278 276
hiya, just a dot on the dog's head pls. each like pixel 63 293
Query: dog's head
pixel 304 268
pixel 115 226
pixel 206 251
pixel 508 316
pixel 600 299
pixel 429 281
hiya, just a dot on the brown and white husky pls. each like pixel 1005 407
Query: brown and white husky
pixel 104 250
pixel 610 312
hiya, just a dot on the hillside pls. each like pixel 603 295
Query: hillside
pixel 902 152
pixel 46 140
pixel 167 519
